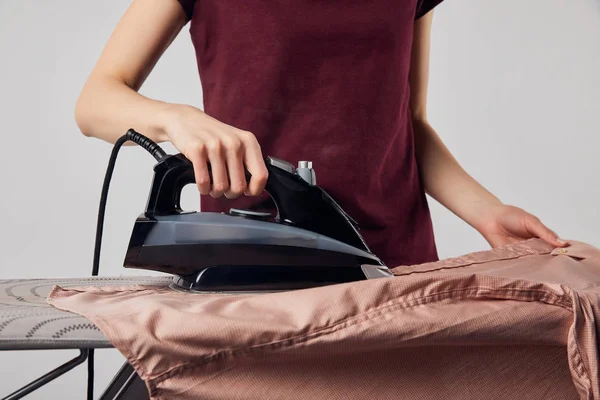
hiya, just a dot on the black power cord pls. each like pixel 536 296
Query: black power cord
pixel 155 150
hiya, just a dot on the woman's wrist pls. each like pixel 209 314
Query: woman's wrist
pixel 481 211
pixel 163 120
pixel 171 115
pixel 465 197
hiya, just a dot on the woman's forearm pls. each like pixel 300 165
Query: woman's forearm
pixel 446 181
pixel 109 103
pixel 107 108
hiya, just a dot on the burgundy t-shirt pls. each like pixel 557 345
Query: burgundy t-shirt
pixel 328 82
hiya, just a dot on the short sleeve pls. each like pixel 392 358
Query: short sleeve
pixel 424 6
pixel 188 7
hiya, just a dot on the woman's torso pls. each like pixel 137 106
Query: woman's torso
pixel 324 81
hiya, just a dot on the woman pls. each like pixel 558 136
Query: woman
pixel 341 83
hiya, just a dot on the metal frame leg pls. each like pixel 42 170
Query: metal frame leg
pixel 50 376
pixel 126 385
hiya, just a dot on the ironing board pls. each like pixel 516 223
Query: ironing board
pixel 27 322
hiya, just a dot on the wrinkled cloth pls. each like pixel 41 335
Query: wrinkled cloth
pixel 519 322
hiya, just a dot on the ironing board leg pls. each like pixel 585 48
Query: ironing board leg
pixel 50 376
pixel 126 385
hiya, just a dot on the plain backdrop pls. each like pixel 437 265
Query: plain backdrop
pixel 514 93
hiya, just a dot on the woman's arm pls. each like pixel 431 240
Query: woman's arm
pixel 110 104
pixel 445 180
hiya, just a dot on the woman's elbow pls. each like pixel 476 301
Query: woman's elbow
pixel 82 114
pixel 418 112
pixel 419 121
pixel 80 119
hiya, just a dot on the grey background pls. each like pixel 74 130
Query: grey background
pixel 514 93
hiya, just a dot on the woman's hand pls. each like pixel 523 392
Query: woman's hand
pixel 506 224
pixel 203 139
pixel 109 104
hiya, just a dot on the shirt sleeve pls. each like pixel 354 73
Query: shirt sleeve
pixel 424 6
pixel 188 7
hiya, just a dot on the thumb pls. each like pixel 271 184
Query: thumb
pixel 537 229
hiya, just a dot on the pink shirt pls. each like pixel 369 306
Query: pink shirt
pixel 518 322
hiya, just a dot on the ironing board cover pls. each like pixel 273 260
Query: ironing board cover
pixel 28 322
pixel 518 322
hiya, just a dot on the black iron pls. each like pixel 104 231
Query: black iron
pixel 311 241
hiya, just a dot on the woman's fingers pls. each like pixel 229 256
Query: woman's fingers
pixel 218 169
pixel 537 229
pixel 255 163
pixel 218 152
pixel 237 178
pixel 197 155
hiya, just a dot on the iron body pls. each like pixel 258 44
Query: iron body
pixel 310 242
